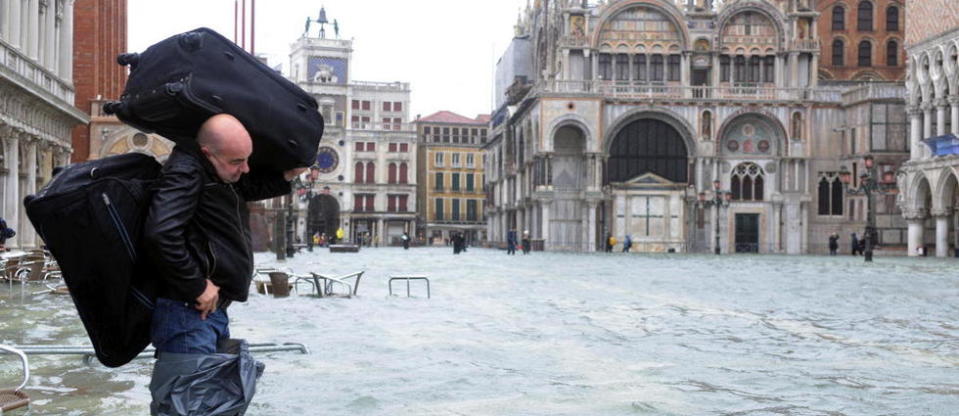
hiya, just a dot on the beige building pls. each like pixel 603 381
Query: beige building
pixel 37 112
pixel 930 179
pixel 451 196
pixel 364 178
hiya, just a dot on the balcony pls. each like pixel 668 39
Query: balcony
pixel 20 69
pixel 735 92
pixel 806 45
pixel 874 91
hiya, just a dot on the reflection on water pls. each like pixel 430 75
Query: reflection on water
pixel 554 334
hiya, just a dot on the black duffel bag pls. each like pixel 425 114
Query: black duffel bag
pixel 90 218
pixel 178 83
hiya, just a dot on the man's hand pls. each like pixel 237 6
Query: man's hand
pixel 206 302
pixel 292 173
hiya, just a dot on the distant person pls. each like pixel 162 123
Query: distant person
pixel 406 241
pixel 833 244
pixel 610 242
pixel 627 243
pixel 526 242
pixel 854 243
pixel 511 242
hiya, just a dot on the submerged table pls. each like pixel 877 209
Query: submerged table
pixel 409 277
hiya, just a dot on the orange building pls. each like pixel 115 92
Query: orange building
pixel 862 40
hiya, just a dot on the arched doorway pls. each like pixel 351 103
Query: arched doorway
pixel 947 224
pixel 647 173
pixel 569 174
pixel 323 216
pixel 648 146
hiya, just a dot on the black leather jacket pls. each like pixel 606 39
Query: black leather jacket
pixel 198 227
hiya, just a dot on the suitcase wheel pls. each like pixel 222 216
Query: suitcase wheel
pixel 131 59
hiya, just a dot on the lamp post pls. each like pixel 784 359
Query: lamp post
pixel 304 191
pixel 869 185
pixel 719 199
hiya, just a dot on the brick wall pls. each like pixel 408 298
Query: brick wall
pixel 879 40
pixel 100 34
pixel 929 18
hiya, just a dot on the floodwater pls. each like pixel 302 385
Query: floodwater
pixel 562 334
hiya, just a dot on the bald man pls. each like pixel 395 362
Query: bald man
pixel 198 235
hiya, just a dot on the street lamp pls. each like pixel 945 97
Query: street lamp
pixel 869 185
pixel 719 199
pixel 304 191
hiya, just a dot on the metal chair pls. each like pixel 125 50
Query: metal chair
pixel 15 398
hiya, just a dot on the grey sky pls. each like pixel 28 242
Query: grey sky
pixel 446 49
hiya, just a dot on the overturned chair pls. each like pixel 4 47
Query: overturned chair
pixel 15 398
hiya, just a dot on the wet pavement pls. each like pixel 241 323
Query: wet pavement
pixel 562 334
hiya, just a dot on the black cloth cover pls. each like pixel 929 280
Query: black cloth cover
pixel 178 83
pixel 90 218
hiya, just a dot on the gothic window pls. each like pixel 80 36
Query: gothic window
pixel 622 67
pixel 754 69
pixel 747 182
pixel 724 62
pixel 358 173
pixel 707 125
pixel 838 52
pixel 739 74
pixel 830 195
pixel 797 126
pixel 865 54
pixel 605 66
pixel 892 19
pixel 769 67
pixel 404 173
pixel 639 68
pixel 838 18
pixel 370 172
pixel 865 16
pixel 391 173
pixel 892 53
pixel 657 68
pixel 674 74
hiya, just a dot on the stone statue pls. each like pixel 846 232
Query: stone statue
pixel 336 28
pixel 306 31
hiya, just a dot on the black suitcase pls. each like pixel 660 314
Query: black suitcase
pixel 91 217
pixel 176 84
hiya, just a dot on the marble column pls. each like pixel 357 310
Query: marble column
pixel 546 242
pixel 954 107
pixel 11 205
pixel 915 133
pixel 32 38
pixel 565 64
pixel 65 60
pixel 793 69
pixel 28 234
pixel 14 19
pixel 50 32
pixel 380 232
pixel 941 117
pixel 684 70
pixel 915 220
pixel 591 235
pixel 943 217
pixel 926 125
pixel 814 71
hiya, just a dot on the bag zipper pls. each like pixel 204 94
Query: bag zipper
pixel 115 217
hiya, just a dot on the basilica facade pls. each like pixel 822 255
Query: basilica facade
pixel 687 126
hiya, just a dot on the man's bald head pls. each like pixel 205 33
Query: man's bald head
pixel 227 145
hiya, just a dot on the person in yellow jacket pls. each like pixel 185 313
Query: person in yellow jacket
pixel 339 235
pixel 610 242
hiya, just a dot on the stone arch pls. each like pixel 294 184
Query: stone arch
pixel 681 124
pixel 568 167
pixel 765 9
pixel 944 193
pixel 919 194
pixel 739 119
pixel 576 121
pixel 323 215
pixel 668 9
pixel 648 145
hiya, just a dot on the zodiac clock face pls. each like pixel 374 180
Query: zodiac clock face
pixel 327 159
